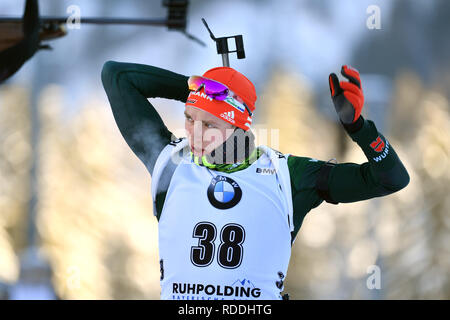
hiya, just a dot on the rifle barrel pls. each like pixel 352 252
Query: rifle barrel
pixel 101 20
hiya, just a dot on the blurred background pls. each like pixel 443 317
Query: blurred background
pixel 76 217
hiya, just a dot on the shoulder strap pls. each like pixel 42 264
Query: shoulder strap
pixel 280 164
pixel 161 162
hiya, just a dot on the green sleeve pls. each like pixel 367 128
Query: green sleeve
pixel 303 172
pixel 381 175
pixel 128 85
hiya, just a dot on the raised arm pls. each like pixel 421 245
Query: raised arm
pixel 128 85
pixel 382 175
pixel 314 181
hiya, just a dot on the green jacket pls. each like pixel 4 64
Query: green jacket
pixel 129 85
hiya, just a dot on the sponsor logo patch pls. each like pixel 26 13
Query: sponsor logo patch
pixel 202 95
pixel 240 289
pixel 266 171
pixel 378 144
pixel 229 116
pixel 232 102
pixel 223 192
pixel 384 154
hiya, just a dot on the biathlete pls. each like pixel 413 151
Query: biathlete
pixel 229 211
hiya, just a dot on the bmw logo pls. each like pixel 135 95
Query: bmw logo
pixel 224 192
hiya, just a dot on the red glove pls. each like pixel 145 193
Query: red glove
pixel 348 97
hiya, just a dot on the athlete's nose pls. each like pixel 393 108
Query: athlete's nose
pixel 198 135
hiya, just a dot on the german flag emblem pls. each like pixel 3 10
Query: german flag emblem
pixel 378 144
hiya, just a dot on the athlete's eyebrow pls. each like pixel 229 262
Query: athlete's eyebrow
pixel 211 122
pixel 206 122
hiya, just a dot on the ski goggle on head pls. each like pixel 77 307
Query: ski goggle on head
pixel 217 91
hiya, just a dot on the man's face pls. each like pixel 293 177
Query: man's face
pixel 205 131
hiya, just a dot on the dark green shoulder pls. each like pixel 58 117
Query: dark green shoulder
pixel 303 173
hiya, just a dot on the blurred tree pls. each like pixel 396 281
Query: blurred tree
pixel 14 163
pixel 287 107
pixel 415 38
pixel 95 210
pixel 419 261
pixel 413 50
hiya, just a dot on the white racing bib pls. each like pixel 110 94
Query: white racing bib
pixel 225 235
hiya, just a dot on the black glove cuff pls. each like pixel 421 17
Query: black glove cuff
pixel 355 126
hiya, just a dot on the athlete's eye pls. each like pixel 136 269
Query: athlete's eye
pixel 209 125
pixel 189 119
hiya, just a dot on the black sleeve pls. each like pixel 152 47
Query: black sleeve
pixel 314 181
pixel 128 85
